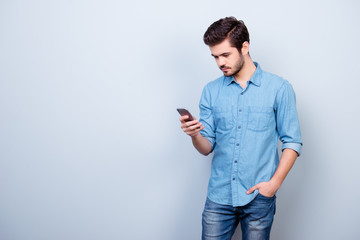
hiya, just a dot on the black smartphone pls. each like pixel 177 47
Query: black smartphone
pixel 184 112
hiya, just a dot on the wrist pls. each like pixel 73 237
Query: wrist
pixel 195 135
pixel 276 183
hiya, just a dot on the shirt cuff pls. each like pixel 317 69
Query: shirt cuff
pixel 211 140
pixel 294 146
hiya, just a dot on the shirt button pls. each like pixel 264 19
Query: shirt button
pixel 242 93
pixel 239 127
pixel 235 161
pixel 237 144
pixel 233 178
pixel 240 110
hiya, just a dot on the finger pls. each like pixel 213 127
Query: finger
pixel 195 131
pixel 193 127
pixel 201 128
pixel 183 118
pixel 186 125
pixel 252 189
pixel 190 123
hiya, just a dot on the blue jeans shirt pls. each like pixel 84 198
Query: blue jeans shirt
pixel 243 127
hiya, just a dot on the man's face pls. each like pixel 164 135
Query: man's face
pixel 228 58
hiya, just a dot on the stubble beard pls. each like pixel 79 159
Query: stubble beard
pixel 237 68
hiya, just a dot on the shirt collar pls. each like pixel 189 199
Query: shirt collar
pixel 255 79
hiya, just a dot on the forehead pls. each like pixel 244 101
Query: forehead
pixel 222 47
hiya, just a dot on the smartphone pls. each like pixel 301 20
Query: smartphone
pixel 184 112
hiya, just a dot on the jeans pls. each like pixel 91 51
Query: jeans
pixel 219 222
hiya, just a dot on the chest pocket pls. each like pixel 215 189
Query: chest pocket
pixel 259 118
pixel 223 118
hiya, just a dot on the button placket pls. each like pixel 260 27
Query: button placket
pixel 236 159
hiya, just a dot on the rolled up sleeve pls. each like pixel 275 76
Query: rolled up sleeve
pixel 287 121
pixel 206 117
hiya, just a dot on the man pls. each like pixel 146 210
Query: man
pixel 242 116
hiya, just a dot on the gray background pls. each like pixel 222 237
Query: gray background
pixel 90 143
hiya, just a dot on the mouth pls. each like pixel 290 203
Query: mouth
pixel 225 69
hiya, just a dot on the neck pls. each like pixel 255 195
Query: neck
pixel 246 72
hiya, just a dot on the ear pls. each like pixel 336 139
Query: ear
pixel 245 48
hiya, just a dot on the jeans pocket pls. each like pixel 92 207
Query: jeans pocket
pixel 265 197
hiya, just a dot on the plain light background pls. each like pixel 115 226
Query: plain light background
pixel 90 142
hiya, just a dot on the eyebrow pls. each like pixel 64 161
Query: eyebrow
pixel 220 54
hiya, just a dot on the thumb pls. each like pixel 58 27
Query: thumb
pixel 251 190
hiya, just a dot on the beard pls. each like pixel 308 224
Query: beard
pixel 234 70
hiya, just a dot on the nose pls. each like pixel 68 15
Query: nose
pixel 220 61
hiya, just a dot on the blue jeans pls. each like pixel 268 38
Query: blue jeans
pixel 219 222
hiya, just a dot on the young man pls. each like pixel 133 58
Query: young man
pixel 242 116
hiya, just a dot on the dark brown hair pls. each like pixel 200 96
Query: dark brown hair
pixel 228 27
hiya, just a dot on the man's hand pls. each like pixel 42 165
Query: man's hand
pixel 267 189
pixel 191 128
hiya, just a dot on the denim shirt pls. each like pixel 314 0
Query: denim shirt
pixel 243 127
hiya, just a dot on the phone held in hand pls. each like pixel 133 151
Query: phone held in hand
pixel 184 112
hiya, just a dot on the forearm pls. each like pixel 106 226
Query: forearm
pixel 201 144
pixel 287 160
pixel 193 128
